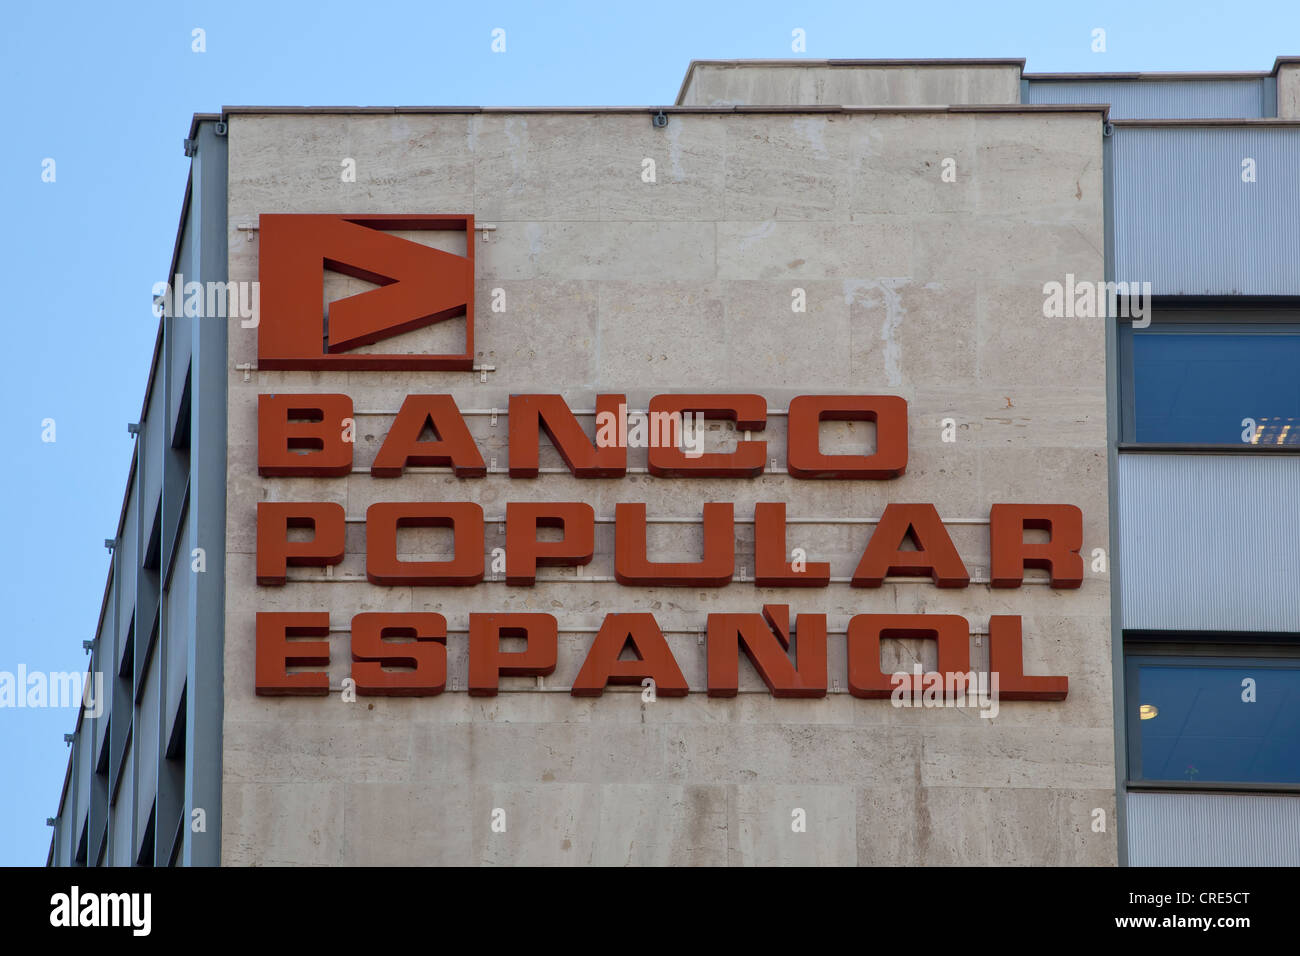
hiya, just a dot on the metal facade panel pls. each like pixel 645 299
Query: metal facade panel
pixel 83 768
pixel 1208 542
pixel 126 566
pixel 120 845
pixel 1213 829
pixel 153 440
pixel 204 699
pixel 1185 220
pixel 1159 99
pixel 178 333
pixel 176 628
pixel 146 748
pixel 103 664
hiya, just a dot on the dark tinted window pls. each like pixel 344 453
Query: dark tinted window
pixel 1215 722
pixel 1199 387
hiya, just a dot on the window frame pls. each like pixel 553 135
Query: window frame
pixel 1256 316
pixel 1182 649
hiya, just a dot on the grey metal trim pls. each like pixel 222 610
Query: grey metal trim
pixel 671 110
pixel 1258 123
pixel 1267 644
pixel 885 61
pixel 1146 786
pixel 1118 709
pixel 1124 394
pixel 206 666
pixel 1157 77
pixel 1193 449
pixel 169 793
pixel 1175 311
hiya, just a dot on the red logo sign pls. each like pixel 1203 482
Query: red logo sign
pixel 419 286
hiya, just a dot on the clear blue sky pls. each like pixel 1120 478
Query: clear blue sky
pixel 107 91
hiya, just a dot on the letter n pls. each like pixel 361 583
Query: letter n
pixel 532 414
pixel 766 640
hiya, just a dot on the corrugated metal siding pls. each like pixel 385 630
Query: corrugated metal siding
pixel 1159 99
pixel 1209 542
pixel 1185 221
pixel 1213 829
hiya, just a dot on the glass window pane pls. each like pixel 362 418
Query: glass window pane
pixel 1198 387
pixel 1198 723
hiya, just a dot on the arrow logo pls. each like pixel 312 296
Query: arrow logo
pixel 419 286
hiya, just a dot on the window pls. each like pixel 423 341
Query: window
pixel 1213 720
pixel 1206 377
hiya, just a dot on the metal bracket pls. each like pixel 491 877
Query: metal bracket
pixel 248 229
pixel 485 228
pixel 248 368
pixel 482 372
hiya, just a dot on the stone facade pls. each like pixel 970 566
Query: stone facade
pixel 916 287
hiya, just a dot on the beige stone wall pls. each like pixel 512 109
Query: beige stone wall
pixel 794 84
pixel 1288 91
pixel 915 287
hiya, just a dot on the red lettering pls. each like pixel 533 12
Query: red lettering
pixel 275 552
pixel 452 445
pixel 766 640
pixel 654 660
pixel 934 554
